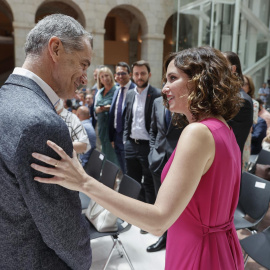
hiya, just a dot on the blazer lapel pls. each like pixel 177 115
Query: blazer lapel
pixel 114 100
pixel 125 100
pixel 163 118
pixel 132 103
pixel 147 102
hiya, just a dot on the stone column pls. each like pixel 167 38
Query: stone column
pixel 21 29
pixel 98 53
pixel 152 51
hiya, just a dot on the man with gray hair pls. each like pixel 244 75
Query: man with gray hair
pixel 41 225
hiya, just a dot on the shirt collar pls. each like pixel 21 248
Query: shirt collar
pixel 53 97
pixel 126 86
pixel 144 91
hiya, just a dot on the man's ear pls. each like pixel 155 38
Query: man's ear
pixel 55 46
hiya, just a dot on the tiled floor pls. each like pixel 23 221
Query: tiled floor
pixel 136 244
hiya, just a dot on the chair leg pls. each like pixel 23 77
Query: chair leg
pixel 118 249
pixel 110 255
pixel 245 259
pixel 115 238
pixel 125 253
pixel 118 244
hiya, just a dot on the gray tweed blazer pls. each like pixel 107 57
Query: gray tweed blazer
pixel 41 226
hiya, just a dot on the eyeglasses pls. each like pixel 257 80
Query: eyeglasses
pixel 121 73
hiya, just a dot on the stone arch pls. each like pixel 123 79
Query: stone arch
pixel 135 12
pixel 6 41
pixel 169 41
pixel 66 7
pixel 188 32
pixel 124 25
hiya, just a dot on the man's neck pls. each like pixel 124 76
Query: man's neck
pixel 140 90
pixel 32 63
pixel 124 84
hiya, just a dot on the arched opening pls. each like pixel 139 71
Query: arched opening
pixel 67 8
pixel 188 33
pixel 6 41
pixel 122 39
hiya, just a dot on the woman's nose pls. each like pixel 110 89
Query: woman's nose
pixel 165 89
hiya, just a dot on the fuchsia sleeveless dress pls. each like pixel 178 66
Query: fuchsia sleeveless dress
pixel 204 237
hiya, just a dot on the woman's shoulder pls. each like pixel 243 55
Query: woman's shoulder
pixel 196 131
pixel 195 127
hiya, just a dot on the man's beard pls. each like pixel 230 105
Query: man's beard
pixel 144 85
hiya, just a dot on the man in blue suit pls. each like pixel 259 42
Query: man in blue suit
pixel 117 111
pixel 41 225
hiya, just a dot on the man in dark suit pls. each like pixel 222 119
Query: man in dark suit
pixel 258 134
pixel 139 104
pixel 117 111
pixel 163 140
pixel 41 225
pixel 242 122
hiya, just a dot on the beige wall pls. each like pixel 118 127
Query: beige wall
pixel 151 14
pixel 116 51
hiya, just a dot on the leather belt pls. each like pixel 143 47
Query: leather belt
pixel 137 141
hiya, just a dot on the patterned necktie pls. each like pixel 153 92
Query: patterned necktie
pixel 119 111
pixel 168 118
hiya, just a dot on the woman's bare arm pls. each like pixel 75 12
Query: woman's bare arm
pixel 194 155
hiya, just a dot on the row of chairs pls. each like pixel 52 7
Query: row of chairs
pixel 102 170
pixel 107 172
pixel 252 207
pixel 253 202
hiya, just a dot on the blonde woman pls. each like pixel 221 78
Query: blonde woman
pixel 106 86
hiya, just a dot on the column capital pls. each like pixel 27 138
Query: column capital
pixel 23 25
pixel 153 36
pixel 98 31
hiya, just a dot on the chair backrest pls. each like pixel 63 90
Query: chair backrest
pixel 109 173
pixel 129 187
pixel 263 157
pixel 94 165
pixel 257 247
pixel 255 195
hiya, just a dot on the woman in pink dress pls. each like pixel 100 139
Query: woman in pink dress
pixel 201 181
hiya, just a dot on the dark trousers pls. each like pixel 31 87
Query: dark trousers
pixel 157 181
pixel 120 151
pixel 138 168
